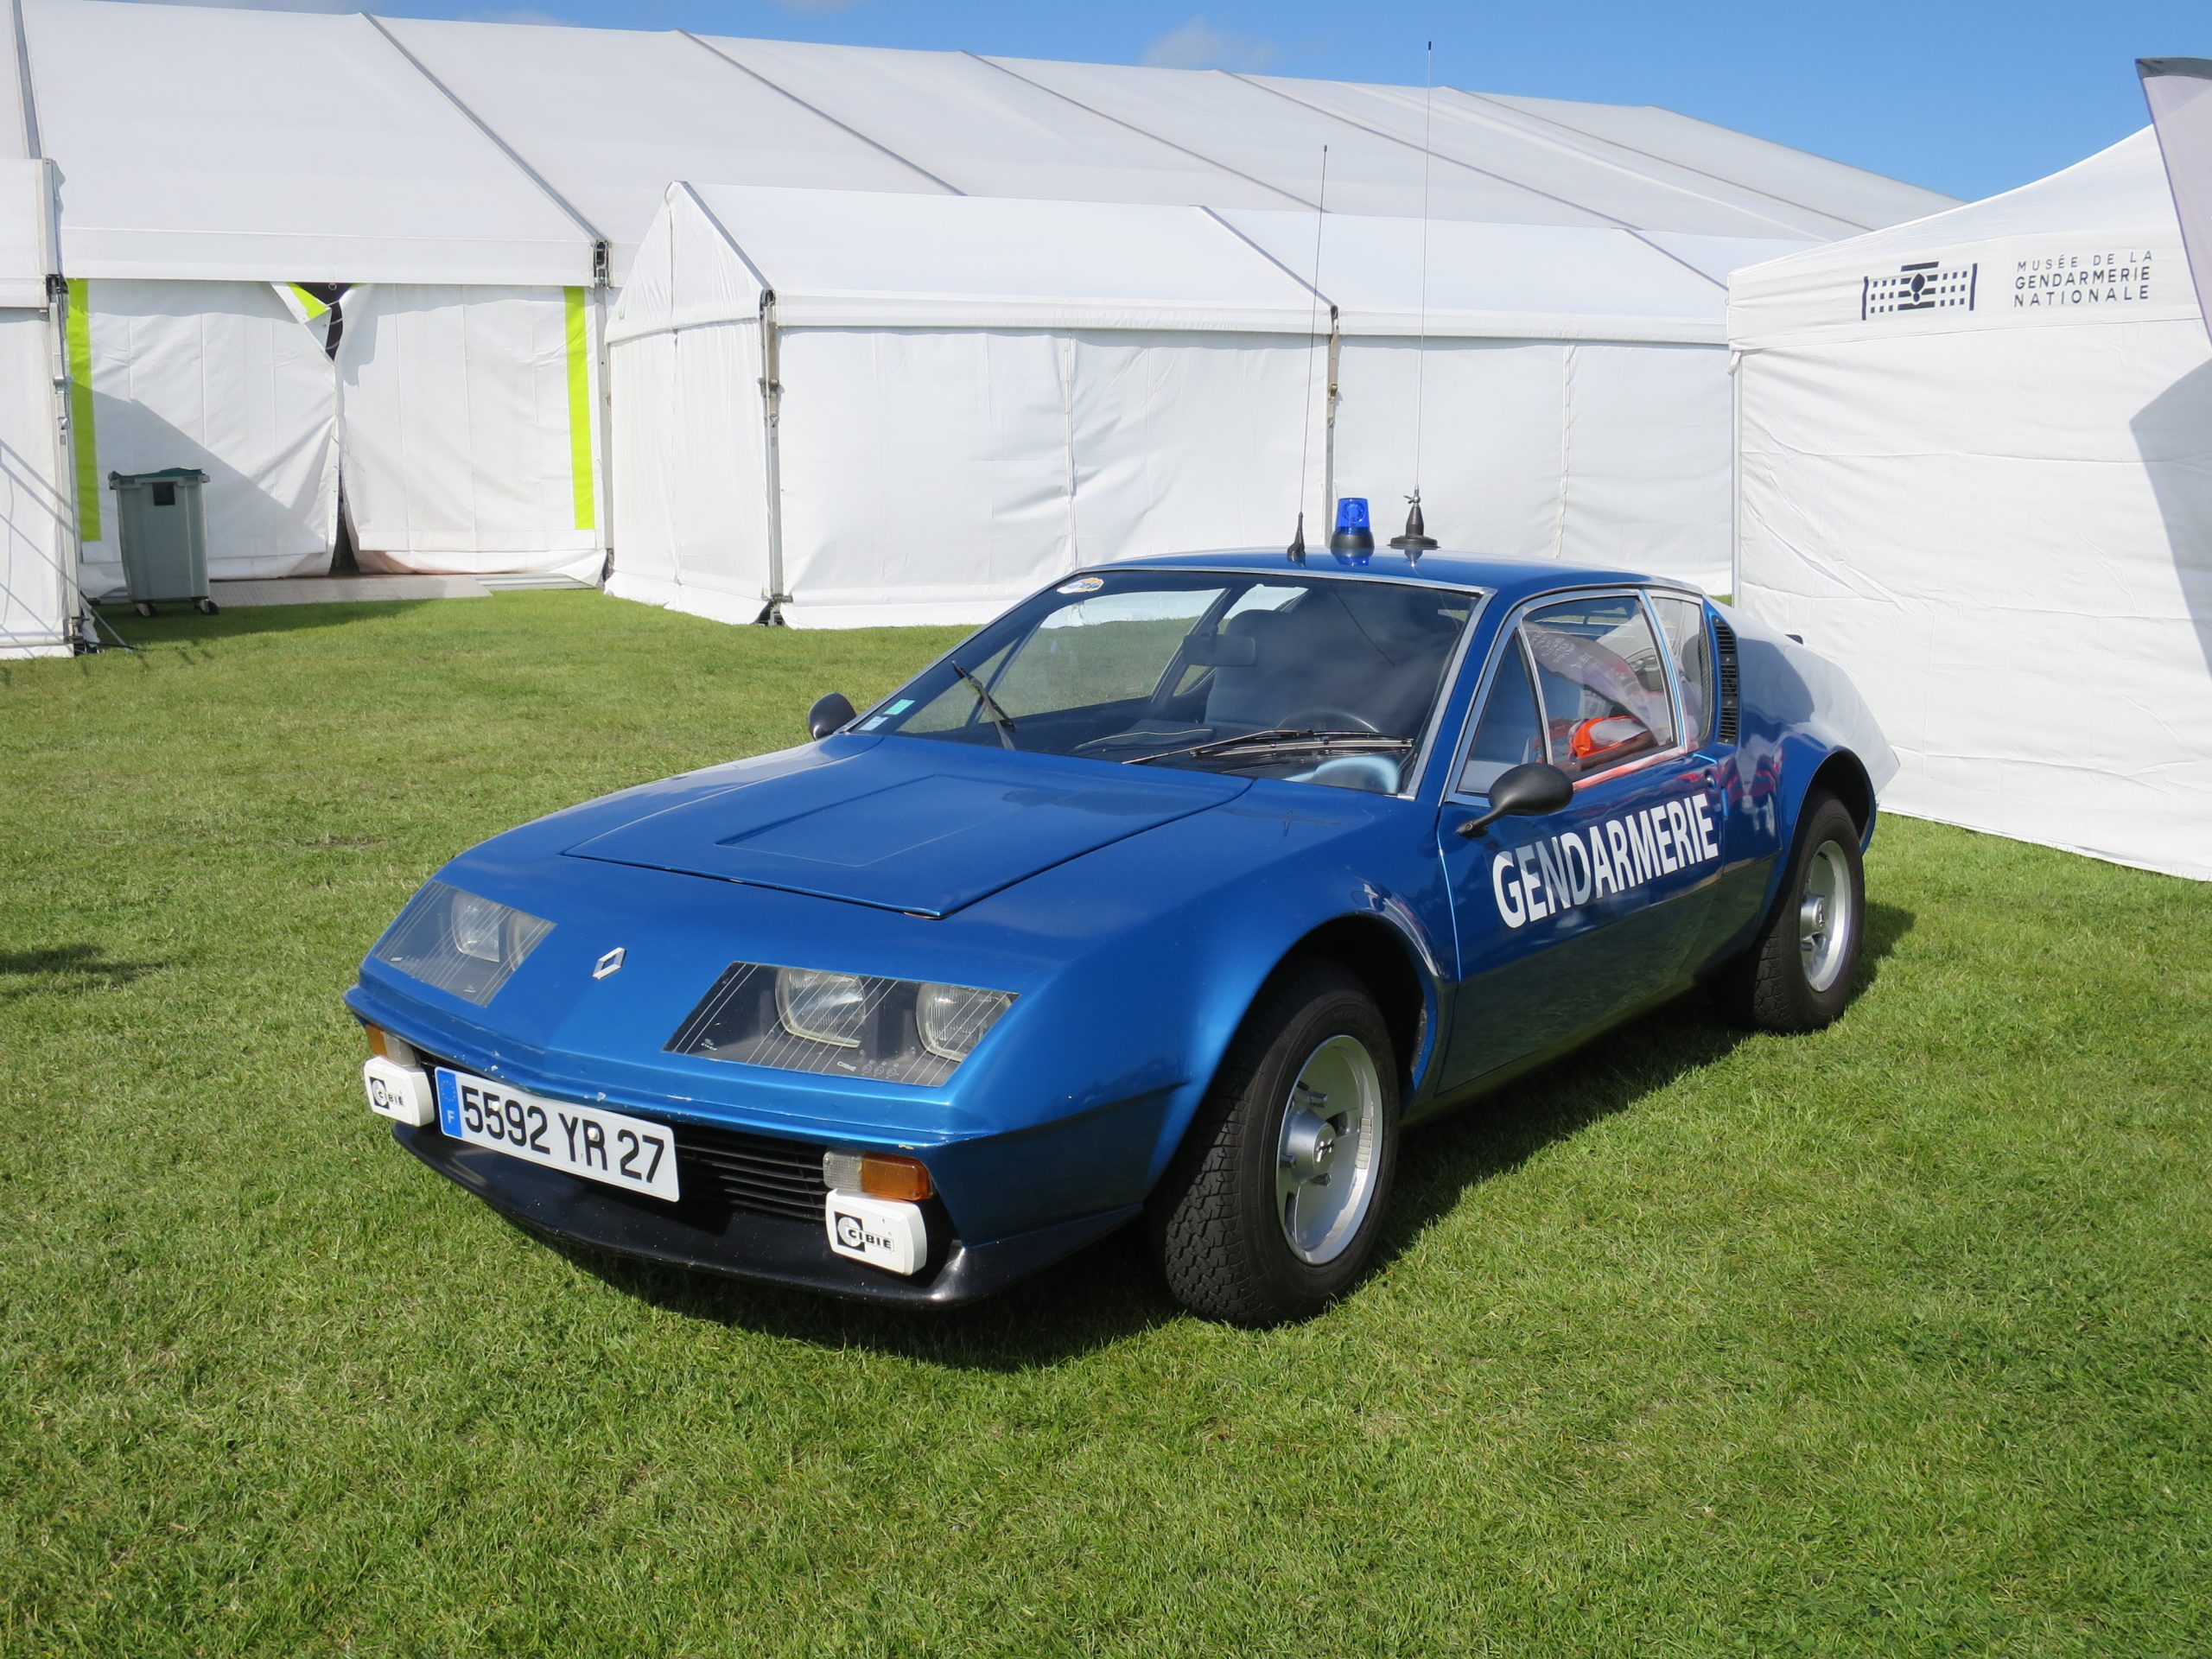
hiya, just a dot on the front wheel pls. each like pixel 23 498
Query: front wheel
pixel 1270 1210
pixel 1797 974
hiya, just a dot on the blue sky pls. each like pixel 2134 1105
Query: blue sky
pixel 1964 96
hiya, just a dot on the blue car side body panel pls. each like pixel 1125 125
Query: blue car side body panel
pixel 1133 912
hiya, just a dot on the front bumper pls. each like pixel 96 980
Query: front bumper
pixel 781 1249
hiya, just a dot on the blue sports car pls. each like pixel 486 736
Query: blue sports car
pixel 1177 894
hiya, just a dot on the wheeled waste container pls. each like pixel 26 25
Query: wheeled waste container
pixel 163 525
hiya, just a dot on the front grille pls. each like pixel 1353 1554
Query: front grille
pixel 719 1171
pixel 1730 688
pixel 750 1171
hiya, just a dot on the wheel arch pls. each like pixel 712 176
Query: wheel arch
pixel 1844 776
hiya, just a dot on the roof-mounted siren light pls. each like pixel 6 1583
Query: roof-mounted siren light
pixel 1352 538
pixel 1416 541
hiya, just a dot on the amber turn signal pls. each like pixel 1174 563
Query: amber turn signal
pixel 878 1174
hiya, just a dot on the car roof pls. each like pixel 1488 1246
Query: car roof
pixel 1510 578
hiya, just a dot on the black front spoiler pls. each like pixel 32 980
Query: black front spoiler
pixel 773 1249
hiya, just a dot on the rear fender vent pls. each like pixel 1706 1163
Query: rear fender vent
pixel 1730 686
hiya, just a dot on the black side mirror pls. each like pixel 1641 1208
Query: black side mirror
pixel 830 713
pixel 1523 791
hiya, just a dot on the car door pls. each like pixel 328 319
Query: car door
pixel 1567 921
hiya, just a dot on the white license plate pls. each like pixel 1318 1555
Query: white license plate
pixel 587 1141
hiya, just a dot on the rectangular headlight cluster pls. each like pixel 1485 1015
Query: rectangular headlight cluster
pixel 458 941
pixel 804 1019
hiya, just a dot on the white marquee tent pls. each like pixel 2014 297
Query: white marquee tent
pixel 1976 470
pixel 210 158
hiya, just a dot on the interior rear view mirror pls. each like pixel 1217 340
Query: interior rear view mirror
pixel 828 713
pixel 1524 791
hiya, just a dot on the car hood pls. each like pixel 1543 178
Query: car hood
pixel 901 823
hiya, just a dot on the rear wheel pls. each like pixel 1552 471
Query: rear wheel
pixel 1270 1210
pixel 1797 974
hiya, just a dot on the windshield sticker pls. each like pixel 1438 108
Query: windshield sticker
pixel 1613 856
pixel 899 708
pixel 1082 585
pixel 871 722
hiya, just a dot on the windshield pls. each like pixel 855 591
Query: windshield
pixel 1319 679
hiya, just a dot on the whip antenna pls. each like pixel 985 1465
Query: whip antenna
pixel 1297 548
pixel 1416 540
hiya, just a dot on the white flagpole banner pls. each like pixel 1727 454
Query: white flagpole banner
pixel 2179 90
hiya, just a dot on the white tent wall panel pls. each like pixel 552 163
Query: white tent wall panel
pixel 1646 464
pixel 1180 441
pixel 37 593
pixel 1607 453
pixel 463 451
pixel 1488 456
pixel 220 376
pixel 926 472
pixel 691 490
pixel 2005 536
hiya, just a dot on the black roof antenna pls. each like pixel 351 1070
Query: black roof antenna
pixel 1297 548
pixel 1417 540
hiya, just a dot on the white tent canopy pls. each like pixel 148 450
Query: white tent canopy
pixel 482 190
pixel 1975 468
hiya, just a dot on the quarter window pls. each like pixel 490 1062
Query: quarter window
pixel 1683 620
pixel 1604 684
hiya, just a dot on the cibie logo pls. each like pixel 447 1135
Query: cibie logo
pixel 1929 285
pixel 380 1093
pixel 852 1232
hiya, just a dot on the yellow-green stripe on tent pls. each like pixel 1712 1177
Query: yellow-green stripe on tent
pixel 81 443
pixel 579 345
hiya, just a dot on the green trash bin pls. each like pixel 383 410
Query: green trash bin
pixel 163 526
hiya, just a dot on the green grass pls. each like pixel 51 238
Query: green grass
pixel 1892 1339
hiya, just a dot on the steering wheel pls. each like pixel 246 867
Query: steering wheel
pixel 1327 720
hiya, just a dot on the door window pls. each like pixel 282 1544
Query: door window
pixel 1604 684
pixel 1684 622
pixel 1511 732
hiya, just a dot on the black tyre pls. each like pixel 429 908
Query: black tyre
pixel 1270 1210
pixel 1797 974
pixel 207 607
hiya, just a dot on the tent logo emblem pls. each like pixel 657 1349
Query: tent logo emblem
pixel 1928 285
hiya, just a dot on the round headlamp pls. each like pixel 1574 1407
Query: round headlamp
pixel 952 1019
pixel 822 1008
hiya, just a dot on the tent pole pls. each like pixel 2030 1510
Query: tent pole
pixel 1329 428
pixel 771 397
pixel 606 445
pixel 1735 477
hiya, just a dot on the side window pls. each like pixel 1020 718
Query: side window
pixel 1604 684
pixel 1683 619
pixel 1511 732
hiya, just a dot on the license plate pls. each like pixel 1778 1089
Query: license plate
pixel 589 1142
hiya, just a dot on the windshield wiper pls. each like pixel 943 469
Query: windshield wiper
pixel 1000 718
pixel 1278 742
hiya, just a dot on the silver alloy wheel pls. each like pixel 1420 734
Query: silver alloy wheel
pixel 1326 1160
pixel 1825 921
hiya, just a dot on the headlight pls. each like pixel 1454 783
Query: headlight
pixel 825 1008
pixel 459 942
pixel 952 1019
pixel 804 1019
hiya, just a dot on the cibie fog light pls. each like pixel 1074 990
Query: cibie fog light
pixel 478 926
pixel 952 1019
pixel 825 1008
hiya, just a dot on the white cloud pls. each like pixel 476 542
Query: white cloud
pixel 1198 45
